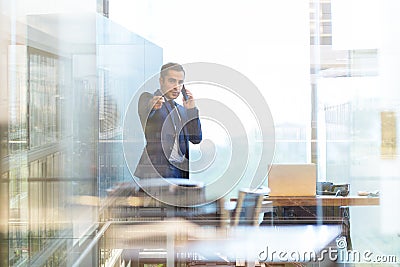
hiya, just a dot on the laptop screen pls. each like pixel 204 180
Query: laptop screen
pixel 292 179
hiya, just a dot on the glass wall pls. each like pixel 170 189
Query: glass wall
pixel 66 78
pixel 269 44
pixel 125 62
pixel 357 110
pixel 327 70
pixel 50 152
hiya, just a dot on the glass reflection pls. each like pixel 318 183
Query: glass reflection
pixel 66 79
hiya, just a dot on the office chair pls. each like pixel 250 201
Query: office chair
pixel 248 207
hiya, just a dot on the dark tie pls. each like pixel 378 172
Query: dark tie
pixel 176 119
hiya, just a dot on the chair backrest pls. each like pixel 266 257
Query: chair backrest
pixel 248 207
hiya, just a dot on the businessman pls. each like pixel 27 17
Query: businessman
pixel 168 127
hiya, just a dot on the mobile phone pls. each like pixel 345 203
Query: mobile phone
pixel 185 96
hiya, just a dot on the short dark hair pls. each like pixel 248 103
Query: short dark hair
pixel 170 66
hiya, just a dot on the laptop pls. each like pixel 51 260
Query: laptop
pixel 292 179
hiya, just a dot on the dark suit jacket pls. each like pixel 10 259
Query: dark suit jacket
pixel 159 131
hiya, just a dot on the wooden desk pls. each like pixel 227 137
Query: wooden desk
pixel 330 201
pixel 327 201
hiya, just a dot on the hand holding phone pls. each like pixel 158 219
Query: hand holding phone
pixel 188 100
pixel 185 96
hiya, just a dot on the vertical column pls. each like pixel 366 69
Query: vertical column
pixel 170 249
pixel 4 193
pixel 4 181
pixel 389 92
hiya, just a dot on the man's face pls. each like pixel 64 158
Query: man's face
pixel 171 84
